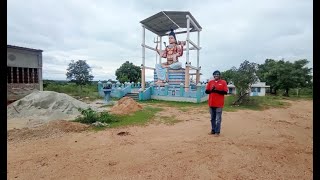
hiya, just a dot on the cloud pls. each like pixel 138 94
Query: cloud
pixel 108 33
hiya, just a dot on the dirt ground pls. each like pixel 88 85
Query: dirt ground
pixel 269 144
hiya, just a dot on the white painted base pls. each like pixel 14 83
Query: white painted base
pixel 179 99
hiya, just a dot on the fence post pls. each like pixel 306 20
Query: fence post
pixel 203 88
pixel 100 89
pixel 152 88
pixel 181 89
pixel 130 88
pixel 119 92
pixel 141 94
pixel 166 88
pixel 198 95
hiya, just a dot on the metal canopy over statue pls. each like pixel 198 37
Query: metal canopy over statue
pixel 168 23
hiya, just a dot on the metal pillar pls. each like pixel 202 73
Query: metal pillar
pixel 160 49
pixel 187 76
pixel 143 80
pixel 198 67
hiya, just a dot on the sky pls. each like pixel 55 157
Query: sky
pixel 107 33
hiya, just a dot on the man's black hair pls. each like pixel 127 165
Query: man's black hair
pixel 216 72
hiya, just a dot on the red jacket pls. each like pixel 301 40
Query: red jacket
pixel 216 99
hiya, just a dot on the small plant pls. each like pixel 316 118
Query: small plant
pixel 105 117
pixel 90 116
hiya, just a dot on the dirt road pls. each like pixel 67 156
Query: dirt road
pixel 270 144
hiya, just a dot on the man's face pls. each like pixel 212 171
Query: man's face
pixel 171 40
pixel 216 76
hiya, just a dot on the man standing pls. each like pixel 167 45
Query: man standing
pixel 216 88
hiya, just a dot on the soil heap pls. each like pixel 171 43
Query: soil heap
pixel 125 105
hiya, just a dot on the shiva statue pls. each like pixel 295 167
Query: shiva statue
pixel 171 52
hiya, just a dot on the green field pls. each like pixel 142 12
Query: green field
pixel 89 91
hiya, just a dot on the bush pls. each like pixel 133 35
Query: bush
pixel 105 117
pixel 302 92
pixel 90 116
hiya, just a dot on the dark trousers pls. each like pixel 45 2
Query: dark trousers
pixel 216 114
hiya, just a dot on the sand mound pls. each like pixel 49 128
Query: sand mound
pixel 51 129
pixel 125 105
pixel 43 106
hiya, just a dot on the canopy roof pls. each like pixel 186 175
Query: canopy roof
pixel 162 22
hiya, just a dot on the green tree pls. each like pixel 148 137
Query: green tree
pixel 268 72
pixel 79 72
pixel 128 72
pixel 294 75
pixel 243 78
pixel 228 75
pixel 303 73
pixel 285 75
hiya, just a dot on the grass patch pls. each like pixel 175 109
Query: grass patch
pixel 168 120
pixel 255 103
pixel 296 98
pixel 141 117
pixel 182 106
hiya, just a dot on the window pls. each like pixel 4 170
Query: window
pixel 256 89
pixel 22 75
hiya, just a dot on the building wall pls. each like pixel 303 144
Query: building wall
pixel 261 93
pixel 23 58
pixel 233 90
pixel 261 85
pixel 24 61
pixel 181 99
